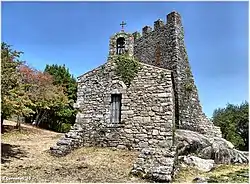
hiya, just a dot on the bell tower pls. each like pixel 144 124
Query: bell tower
pixel 121 43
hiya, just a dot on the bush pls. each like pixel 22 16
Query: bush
pixel 65 127
pixel 233 121
pixel 126 67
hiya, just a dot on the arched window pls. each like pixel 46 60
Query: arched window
pixel 120 45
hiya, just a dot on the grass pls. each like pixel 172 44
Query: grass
pixel 220 174
pixel 82 165
pixel 241 176
pixel 26 159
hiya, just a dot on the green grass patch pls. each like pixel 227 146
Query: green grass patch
pixel 241 176
pixel 237 173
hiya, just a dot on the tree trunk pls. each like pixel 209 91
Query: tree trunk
pixel 41 118
pixel 246 142
pixel 18 123
pixel 37 118
pixel 2 128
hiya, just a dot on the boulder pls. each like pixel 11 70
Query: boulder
pixel 221 141
pixel 190 141
pixel 198 163
pixel 216 148
pixel 59 151
pixel 200 180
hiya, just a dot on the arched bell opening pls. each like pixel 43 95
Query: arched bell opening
pixel 120 45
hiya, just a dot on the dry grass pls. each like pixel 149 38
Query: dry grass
pixel 25 158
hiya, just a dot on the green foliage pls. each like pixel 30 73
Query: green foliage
pixel 233 121
pixel 62 77
pixel 126 67
pixel 188 87
pixel 45 97
pixel 137 35
pixel 14 100
pixel 9 78
pixel 65 127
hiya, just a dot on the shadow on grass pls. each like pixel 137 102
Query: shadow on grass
pixel 23 130
pixel 11 151
pixel 8 128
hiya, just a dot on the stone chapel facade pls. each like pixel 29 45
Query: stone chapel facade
pixel 161 98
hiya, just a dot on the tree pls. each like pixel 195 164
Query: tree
pixel 65 115
pixel 27 92
pixel 242 127
pixel 62 76
pixel 233 121
pixel 13 97
pixel 45 96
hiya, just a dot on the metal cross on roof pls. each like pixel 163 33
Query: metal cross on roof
pixel 123 24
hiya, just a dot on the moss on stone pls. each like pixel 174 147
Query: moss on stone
pixel 189 86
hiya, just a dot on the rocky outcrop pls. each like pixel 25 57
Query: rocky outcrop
pixel 216 148
pixel 196 162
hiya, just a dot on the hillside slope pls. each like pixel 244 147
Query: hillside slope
pixel 25 158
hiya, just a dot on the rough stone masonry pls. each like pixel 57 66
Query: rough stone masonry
pixel 155 114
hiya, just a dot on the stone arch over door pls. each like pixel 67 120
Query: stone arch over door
pixel 117 87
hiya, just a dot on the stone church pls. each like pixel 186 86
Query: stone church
pixel 161 99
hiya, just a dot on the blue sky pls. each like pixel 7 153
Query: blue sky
pixel 77 34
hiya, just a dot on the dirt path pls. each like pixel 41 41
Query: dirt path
pixel 25 158
pixel 28 144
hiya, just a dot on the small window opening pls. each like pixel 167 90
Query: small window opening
pixel 116 108
pixel 120 45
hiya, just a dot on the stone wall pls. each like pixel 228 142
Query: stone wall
pixel 147 111
pixel 129 43
pixel 155 164
pixel 164 47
